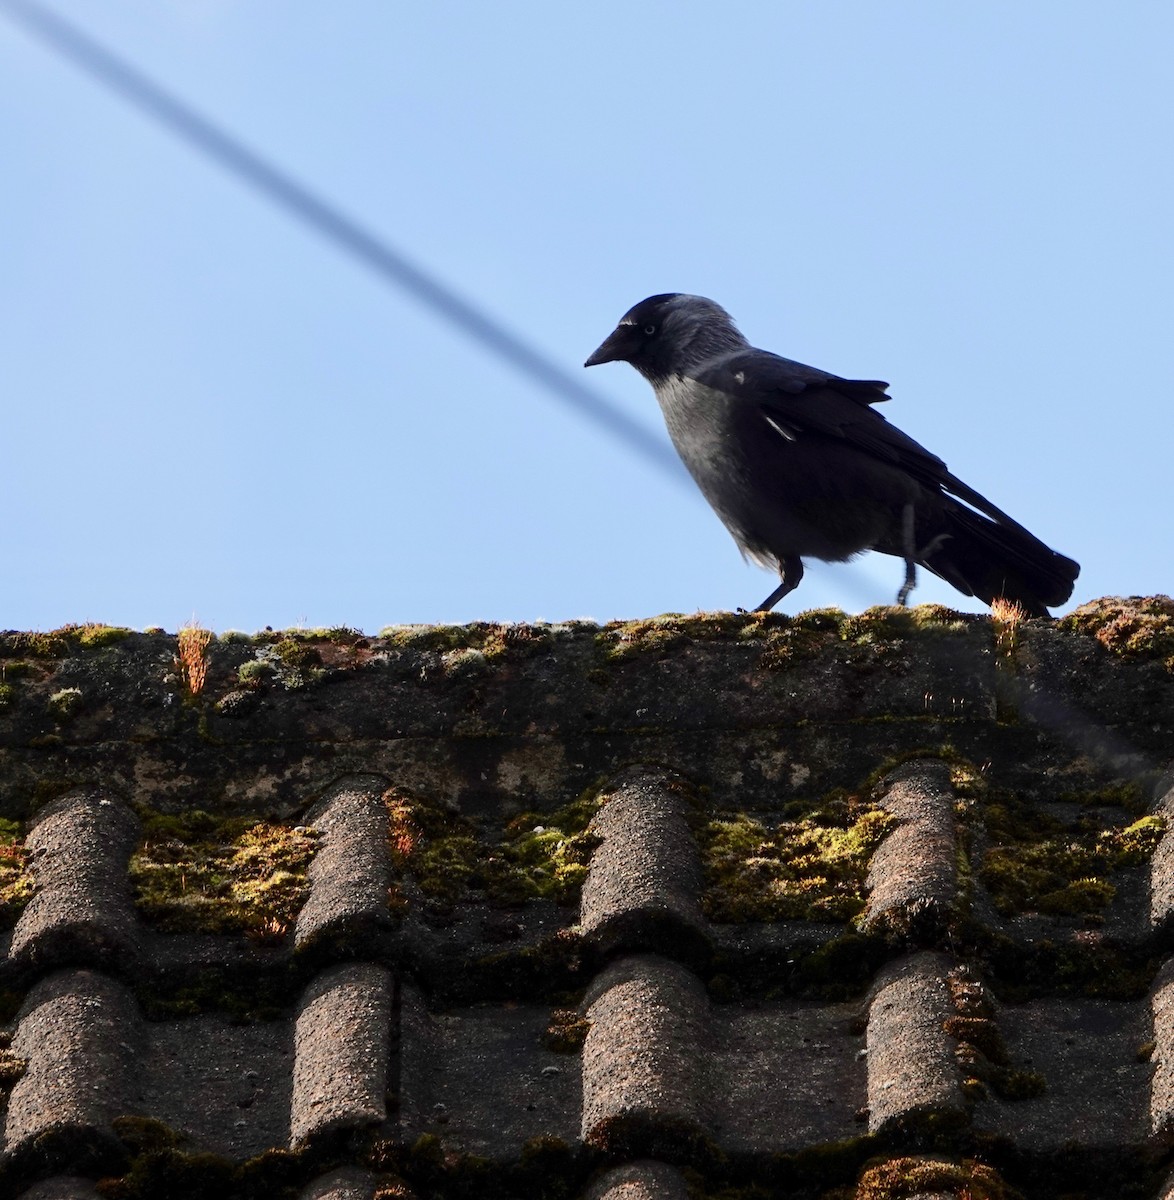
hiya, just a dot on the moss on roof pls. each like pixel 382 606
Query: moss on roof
pixel 200 873
pixel 16 877
pixel 536 856
pixel 1130 626
pixel 811 866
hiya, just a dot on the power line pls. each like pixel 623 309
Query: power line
pixel 326 220
pixel 336 227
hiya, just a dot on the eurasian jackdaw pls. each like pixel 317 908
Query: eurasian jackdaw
pixel 798 463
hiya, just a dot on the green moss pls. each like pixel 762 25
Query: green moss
pixel 58 643
pixel 255 672
pixel 1137 842
pixel 795 643
pixel 171 1173
pixel 94 636
pixel 139 1134
pixel 179 1174
pixel 965 778
pixel 1134 627
pixel 34 645
pixel 1013 1083
pixel 1039 863
pixel 550 970
pixel 344 635
pixel 841 968
pixel 566 1032
pixel 1131 795
pixel 11 1067
pixel 296 664
pixel 295 655
pixel 289 661
pixel 427 1151
pixel 982 1055
pixel 547 1168
pixel 16 876
pixel 1081 896
pixel 65 704
pixel 466 662
pixel 456 642
pixel 890 623
pixel 785 639
pixel 874 637
pixel 539 856
pixel 981 1033
pixel 643 1134
pixel 200 873
pixel 621 640
pixel 338 635
pixel 810 868
pixel 541 861
pixel 546 856
pixel 432 845
pixel 242 994
pixel 1078 962
pixel 437 638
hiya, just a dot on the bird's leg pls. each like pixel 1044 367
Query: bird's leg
pixel 907 537
pixel 791 570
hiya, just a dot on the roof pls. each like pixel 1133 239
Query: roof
pixel 739 904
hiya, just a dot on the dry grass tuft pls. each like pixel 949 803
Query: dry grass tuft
pixel 1007 612
pixel 1006 617
pixel 190 659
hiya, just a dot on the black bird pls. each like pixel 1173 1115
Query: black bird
pixel 798 463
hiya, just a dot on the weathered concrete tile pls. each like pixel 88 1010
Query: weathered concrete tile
pixel 912 1073
pixel 912 879
pixel 80 1034
pixel 342 1047
pixel 643 890
pixel 643 1180
pixel 81 914
pixel 349 878
pixel 648 1056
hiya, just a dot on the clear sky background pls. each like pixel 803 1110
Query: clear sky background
pixel 209 410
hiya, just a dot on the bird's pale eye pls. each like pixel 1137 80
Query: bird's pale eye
pixel 650 329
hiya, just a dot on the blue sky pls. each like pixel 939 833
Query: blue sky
pixel 211 411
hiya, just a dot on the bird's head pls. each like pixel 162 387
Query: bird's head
pixel 665 335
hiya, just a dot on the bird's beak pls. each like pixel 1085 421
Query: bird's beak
pixel 614 348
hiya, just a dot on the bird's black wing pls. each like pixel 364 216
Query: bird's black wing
pixel 797 400
pixel 762 371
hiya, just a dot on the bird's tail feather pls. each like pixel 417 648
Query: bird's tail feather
pixel 991 560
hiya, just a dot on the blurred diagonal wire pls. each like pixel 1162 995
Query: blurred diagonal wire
pixel 328 221
pixel 100 63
